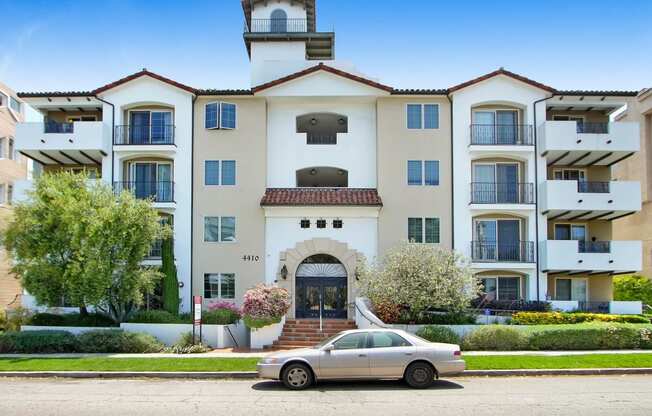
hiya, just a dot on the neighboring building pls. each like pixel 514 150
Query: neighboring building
pixel 316 165
pixel 13 167
pixel 639 168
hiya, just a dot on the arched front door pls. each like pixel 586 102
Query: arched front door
pixel 321 288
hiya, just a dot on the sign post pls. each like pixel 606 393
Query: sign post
pixel 196 320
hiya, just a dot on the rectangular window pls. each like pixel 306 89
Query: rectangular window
pixel 571 289
pixel 431 116
pixel 415 230
pixel 502 288
pixel 432 230
pixel 321 223
pixel 431 172
pixel 227 116
pixel 414 116
pixel 10 194
pixel 337 224
pixel 228 172
pixel 305 223
pixel 11 153
pixel 3 150
pixel 3 198
pixel 212 172
pixel 414 172
pixel 211 229
pixel 14 104
pixel 211 116
pixel 219 286
pixel 227 229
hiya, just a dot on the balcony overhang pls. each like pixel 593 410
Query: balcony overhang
pixel 319 45
pixel 66 157
pixel 65 103
pixel 585 214
pixel 585 158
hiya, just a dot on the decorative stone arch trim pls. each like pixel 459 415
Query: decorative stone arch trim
pixel 292 258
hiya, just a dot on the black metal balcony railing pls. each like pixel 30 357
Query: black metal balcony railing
pixel 158 191
pixel 593 187
pixel 144 134
pixel 491 251
pixel 54 127
pixel 278 25
pixel 593 246
pixel 502 193
pixel 592 128
pixel 502 134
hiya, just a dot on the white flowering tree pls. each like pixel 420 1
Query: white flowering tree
pixel 419 276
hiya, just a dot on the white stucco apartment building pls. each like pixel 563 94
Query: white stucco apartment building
pixel 290 181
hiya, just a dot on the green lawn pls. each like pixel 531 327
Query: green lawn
pixel 499 362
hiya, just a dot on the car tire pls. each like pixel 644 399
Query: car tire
pixel 297 376
pixel 419 375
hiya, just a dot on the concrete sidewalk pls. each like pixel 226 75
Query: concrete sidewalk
pixel 259 354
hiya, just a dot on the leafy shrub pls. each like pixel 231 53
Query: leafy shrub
pixel 388 312
pixel 71 319
pixel 553 318
pixel 264 304
pixel 13 318
pixel 496 337
pixel 449 318
pixel 511 305
pixel 633 287
pixel 185 345
pixel 646 338
pixel 439 334
pixel 33 342
pixel 221 313
pixel 597 336
pixel 159 316
pixel 117 341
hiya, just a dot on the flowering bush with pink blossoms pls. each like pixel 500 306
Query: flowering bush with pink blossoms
pixel 264 305
pixel 222 313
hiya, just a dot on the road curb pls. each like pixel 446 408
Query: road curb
pixel 215 375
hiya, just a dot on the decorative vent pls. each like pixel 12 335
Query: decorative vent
pixel 305 223
pixel 321 223
pixel 321 270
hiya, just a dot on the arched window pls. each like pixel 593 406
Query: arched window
pixel 278 21
pixel 322 128
pixel 322 177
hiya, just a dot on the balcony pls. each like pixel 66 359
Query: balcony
pixel 502 135
pixel 565 256
pixel 489 193
pixel 279 25
pixel 495 252
pixel 580 200
pixel 568 143
pixel 143 135
pixel 156 191
pixel 77 143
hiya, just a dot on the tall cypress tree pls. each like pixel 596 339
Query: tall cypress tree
pixel 170 281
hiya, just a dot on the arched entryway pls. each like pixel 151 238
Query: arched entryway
pixel 321 288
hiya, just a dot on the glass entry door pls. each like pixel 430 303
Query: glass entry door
pixel 571 289
pixel 497 240
pixel 484 127
pixel 152 180
pixel 506 126
pixel 321 294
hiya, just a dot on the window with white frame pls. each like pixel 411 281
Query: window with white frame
pixel 424 172
pixel 501 288
pixel 218 172
pixel 422 116
pixel 219 229
pixel 571 289
pixel 423 230
pixel 15 104
pixel 219 286
pixel 220 115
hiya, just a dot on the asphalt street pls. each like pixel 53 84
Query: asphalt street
pixel 581 395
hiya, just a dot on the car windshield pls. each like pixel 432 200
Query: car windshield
pixel 327 341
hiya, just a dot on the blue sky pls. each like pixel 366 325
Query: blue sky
pixel 80 45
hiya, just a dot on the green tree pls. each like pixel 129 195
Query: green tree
pixel 170 281
pixel 419 276
pixel 633 287
pixel 79 241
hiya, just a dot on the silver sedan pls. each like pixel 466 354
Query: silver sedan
pixel 364 354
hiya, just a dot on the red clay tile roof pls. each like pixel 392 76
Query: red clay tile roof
pixel 139 74
pixel 321 197
pixel 502 71
pixel 322 67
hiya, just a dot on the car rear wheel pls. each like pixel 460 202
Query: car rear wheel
pixel 419 375
pixel 297 376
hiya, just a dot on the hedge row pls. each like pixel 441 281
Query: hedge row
pixel 71 319
pixel 592 336
pixel 99 341
pixel 557 318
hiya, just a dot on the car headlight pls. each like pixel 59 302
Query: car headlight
pixel 270 360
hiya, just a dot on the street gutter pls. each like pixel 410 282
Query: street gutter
pixel 198 375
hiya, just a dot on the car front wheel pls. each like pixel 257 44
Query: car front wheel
pixel 297 376
pixel 419 375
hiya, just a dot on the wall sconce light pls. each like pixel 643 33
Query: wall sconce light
pixel 284 272
pixel 313 171
pixel 180 284
pixel 313 121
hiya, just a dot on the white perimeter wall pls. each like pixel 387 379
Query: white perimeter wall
pixel 288 152
pixel 148 91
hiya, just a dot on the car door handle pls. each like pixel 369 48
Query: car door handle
pixel 362 355
pixel 408 353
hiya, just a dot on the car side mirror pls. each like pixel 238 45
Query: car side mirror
pixel 328 348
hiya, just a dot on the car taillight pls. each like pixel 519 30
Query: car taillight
pixel 457 353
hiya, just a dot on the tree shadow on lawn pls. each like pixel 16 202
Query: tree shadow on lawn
pixel 364 385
